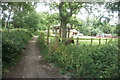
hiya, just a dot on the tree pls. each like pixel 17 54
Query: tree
pixel 31 21
pixel 14 8
pixel 66 10
pixel 42 22
pixel 115 7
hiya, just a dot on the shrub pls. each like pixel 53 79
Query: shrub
pixel 87 62
pixel 37 33
pixel 42 44
pixel 13 42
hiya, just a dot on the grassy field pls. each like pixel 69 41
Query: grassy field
pixel 95 42
pixel 88 41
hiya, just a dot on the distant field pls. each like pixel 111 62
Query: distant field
pixel 88 41
pixel 95 42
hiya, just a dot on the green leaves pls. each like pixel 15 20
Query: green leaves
pixel 87 62
pixel 17 12
pixel 41 42
pixel 13 42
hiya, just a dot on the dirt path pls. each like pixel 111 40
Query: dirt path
pixel 32 65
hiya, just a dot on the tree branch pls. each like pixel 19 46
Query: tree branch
pixel 60 8
pixel 70 13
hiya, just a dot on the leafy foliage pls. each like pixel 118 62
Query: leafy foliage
pixel 94 26
pixel 41 42
pixel 87 62
pixel 13 9
pixel 13 42
pixel 27 21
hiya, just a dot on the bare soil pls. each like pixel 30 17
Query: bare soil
pixel 32 64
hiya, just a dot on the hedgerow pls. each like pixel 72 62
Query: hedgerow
pixel 84 61
pixel 87 61
pixel 13 42
pixel 42 44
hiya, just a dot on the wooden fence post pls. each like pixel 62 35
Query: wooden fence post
pixel 91 41
pixel 68 32
pixel 56 43
pixel 106 41
pixel 111 39
pixel 77 43
pixel 48 34
pixel 99 41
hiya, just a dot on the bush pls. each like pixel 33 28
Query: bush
pixel 42 44
pixel 37 33
pixel 13 42
pixel 87 62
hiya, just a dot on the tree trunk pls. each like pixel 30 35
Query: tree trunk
pixel 119 24
pixel 60 30
pixel 68 32
pixel 48 32
pixel 118 28
pixel 64 31
pixel 55 31
pixel 63 21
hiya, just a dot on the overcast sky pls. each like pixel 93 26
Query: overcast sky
pixel 83 13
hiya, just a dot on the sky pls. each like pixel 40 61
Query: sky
pixel 83 13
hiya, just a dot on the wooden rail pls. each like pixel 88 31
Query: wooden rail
pixel 77 40
pixel 91 40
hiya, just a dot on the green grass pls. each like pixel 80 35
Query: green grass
pixel 95 42
pixel 88 41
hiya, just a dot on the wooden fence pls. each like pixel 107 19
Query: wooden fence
pixel 77 41
pixel 91 40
